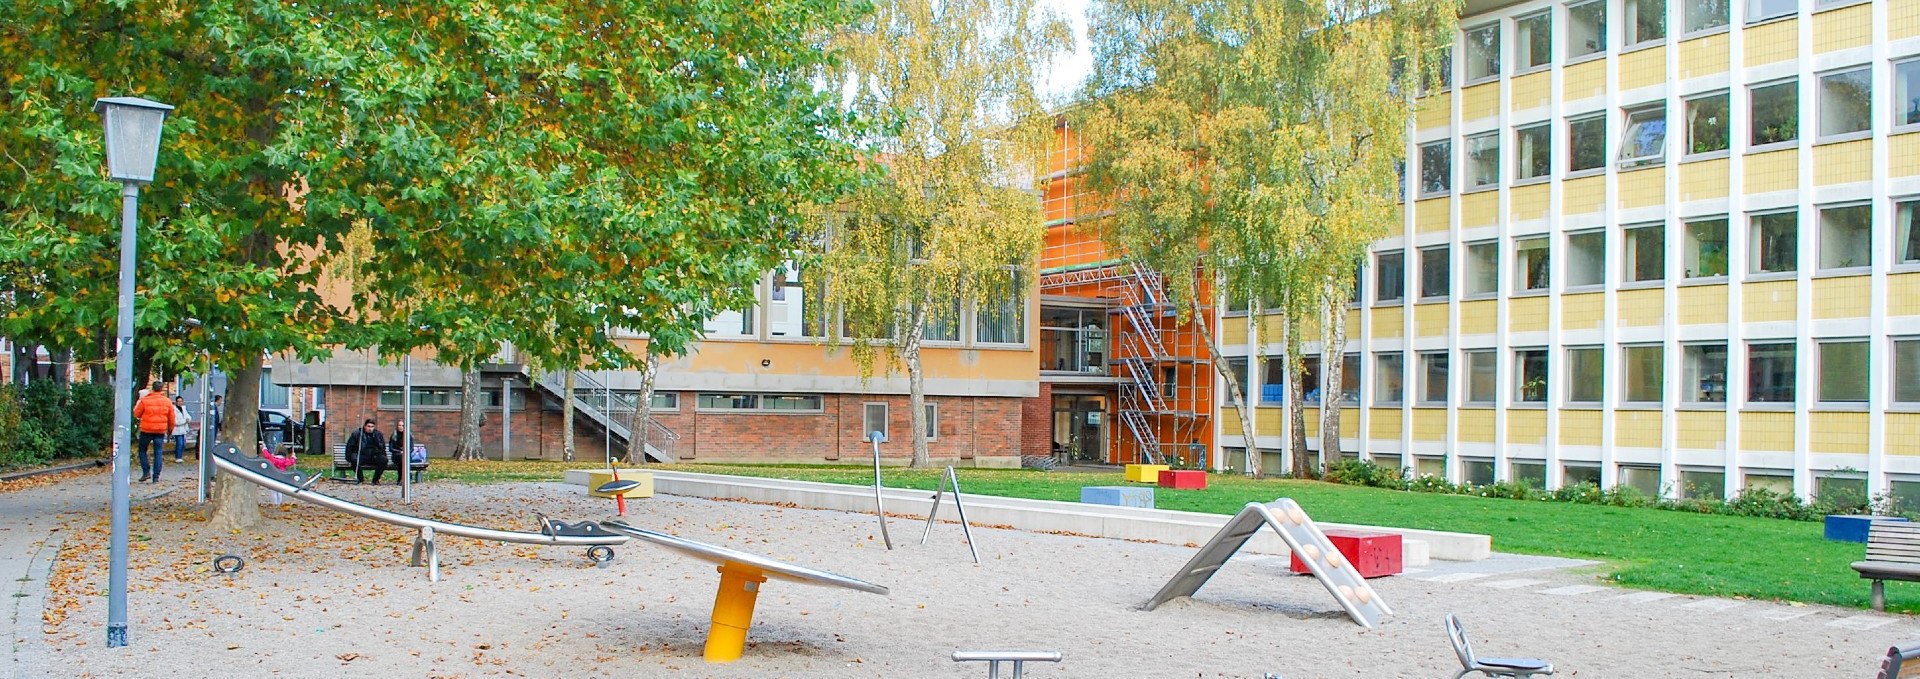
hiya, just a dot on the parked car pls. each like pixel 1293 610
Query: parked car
pixel 277 428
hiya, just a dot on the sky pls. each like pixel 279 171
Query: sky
pixel 1068 71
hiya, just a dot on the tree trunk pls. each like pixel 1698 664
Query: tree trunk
pixel 1332 362
pixel 641 425
pixel 1296 397
pixel 469 446
pixel 566 417
pixel 1234 396
pixel 916 385
pixel 234 504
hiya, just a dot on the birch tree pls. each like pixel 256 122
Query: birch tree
pixel 1251 145
pixel 947 222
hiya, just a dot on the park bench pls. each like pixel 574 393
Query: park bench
pixel 1893 553
pixel 343 468
pixel 1902 662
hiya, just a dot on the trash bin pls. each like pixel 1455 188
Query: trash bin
pixel 316 432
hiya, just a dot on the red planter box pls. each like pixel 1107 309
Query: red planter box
pixel 1186 479
pixel 1373 554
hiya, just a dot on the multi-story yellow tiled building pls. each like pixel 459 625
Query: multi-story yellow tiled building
pixel 1672 244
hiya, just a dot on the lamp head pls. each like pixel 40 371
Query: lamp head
pixel 133 136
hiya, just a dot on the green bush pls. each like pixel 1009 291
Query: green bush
pixel 1365 473
pixel 47 421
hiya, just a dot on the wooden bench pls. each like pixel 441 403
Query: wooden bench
pixel 1893 553
pixel 342 467
pixel 1900 663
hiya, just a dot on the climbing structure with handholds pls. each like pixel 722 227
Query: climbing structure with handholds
pixel 1303 537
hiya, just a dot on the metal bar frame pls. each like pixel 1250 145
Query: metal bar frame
pixel 879 504
pixel 952 480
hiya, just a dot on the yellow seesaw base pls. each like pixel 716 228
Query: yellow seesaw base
pixel 733 611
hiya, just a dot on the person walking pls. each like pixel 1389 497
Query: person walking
pixel 397 450
pixel 367 449
pixel 216 416
pixel 181 421
pixel 155 414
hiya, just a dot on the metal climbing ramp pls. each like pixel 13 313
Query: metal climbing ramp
pixel 1303 537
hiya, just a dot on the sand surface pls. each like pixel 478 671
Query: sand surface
pixel 324 596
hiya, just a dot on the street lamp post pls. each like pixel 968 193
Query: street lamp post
pixel 406 416
pixel 133 144
pixel 206 410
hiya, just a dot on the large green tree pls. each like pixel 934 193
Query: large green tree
pixel 1253 144
pixel 505 171
pixel 949 221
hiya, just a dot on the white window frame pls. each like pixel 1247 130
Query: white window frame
pixel 866 420
pixel 1600 117
pixel 1895 375
pixel 933 422
pixel 1689 247
pixel 1753 128
pixel 1754 18
pixel 1522 52
pixel 1629 11
pixel 1426 375
pixel 1820 104
pixel 1605 42
pixel 1381 397
pixel 1726 143
pixel 1690 31
pixel 1520 270
pixel 1400 296
pixel 1520 374
pixel 1900 125
pixel 1485 146
pixel 1446 257
pixel 1467 363
pixel 1573 380
pixel 1821 245
pixel 1755 243
pixel 1633 116
pixel 1572 256
pixel 1626 375
pixel 1471 270
pixel 1468 44
pixel 1820 372
pixel 1906 215
pixel 1690 385
pixel 1422 181
pixel 1520 166
pixel 1629 267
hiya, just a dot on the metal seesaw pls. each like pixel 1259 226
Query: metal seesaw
pixel 259 472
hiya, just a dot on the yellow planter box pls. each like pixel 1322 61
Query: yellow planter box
pixel 645 489
pixel 1145 473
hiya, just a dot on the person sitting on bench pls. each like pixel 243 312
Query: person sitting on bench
pixel 367 449
pixel 397 448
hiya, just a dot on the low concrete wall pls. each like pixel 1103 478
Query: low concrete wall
pixel 1155 525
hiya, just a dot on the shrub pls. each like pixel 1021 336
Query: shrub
pixel 1581 493
pixel 1365 473
pixel 1433 484
pixel 1769 504
pixel 47 421
pixel 1507 489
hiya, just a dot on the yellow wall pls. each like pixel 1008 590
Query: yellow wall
pixel 1476 425
pixel 1903 433
pixel 1383 423
pixel 1843 163
pixel 1267 422
pixel 1436 110
pixel 1528 203
pixel 1430 320
pixel 1429 424
pixel 1703 304
pixel 1768 43
pixel 1349 422
pixel 1837 432
pixel 1479 209
pixel 1645 187
pixel 1903 18
pixel 1582 311
pixel 1703 179
pixel 1903 294
pixel 1583 80
pixel 1903 153
pixel 1636 428
pixel 1843 297
pixel 1387 322
pixel 1773 171
pixel 1479 317
pixel 1701 429
pixel 1526 426
pixel 1527 314
pixel 1843 28
pixel 1230 421
pixel 1770 431
pixel 1579 427
pixel 1313 421
pixel 1704 56
pixel 1642 68
pixel 1583 195
pixel 805 358
pixel 1480 101
pixel 1433 214
pixel 1769 301
pixel 1641 307
pixel 1533 90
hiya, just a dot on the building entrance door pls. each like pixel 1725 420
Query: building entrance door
pixel 1080 429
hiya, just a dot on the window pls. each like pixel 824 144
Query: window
pixel 1586 29
pixel 1389 378
pixel 731 323
pixel 1434 272
pixel 1846 102
pixel 1530 376
pixel 761 402
pixel 1705 372
pixel 1433 378
pixel 1586 258
pixel 422 398
pixel 942 325
pixel 933 421
pixel 873 418
pixel 793 310
pixel 1646 21
pixel 1575 474
pixel 1430 466
pixel 1645 248
pixel 1530 257
pixel 1533 151
pixel 490 399
pixel 1482 376
pixel 1776 112
pixel 1483 268
pixel 1707 123
pixel 1586 374
pixel 1707 248
pixel 1906 92
pixel 272 395
pixel 1906 370
pixel 1443 67
pixel 664 400
pixel 1705 14
pixel 1843 371
pixel 1359 280
pixel 1703 485
pixel 791 402
pixel 1483 160
pixel 1530 474
pixel 1436 167
pixel 1476 472
pixel 1846 237
pixel 1390 273
pixel 1906 226
pixel 1169 383
pixel 1273 386
pixel 1534 40
pixel 1004 321
pixel 1587 139
pixel 1350 380
pixel 729 401
pixel 1762 10
pixel 1483 52
pixel 1646 480
pixel 1774 243
pixel 1770 372
pixel 1645 142
pixel 1645 373
pixel 1310 380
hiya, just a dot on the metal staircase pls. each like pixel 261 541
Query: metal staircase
pixel 587 394
pixel 1143 303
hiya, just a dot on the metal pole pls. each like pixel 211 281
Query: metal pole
pixel 606 411
pixel 206 412
pixel 406 418
pixel 879 506
pixel 966 529
pixel 122 425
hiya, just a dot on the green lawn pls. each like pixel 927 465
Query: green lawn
pixel 1643 548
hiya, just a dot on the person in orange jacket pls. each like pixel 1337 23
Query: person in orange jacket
pixel 155 413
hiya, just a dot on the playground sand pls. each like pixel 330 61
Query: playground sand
pixel 324 595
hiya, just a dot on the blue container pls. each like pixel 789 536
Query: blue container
pixel 1118 496
pixel 1853 527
